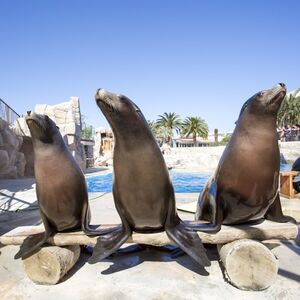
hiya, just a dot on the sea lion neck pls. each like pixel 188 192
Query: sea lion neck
pixel 43 150
pixel 134 140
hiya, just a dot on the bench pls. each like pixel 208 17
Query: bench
pixel 237 246
pixel 286 184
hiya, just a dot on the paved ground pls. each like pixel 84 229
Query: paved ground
pixel 149 274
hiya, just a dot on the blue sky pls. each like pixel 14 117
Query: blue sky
pixel 195 58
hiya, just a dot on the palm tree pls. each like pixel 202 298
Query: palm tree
pixel 170 121
pixel 289 112
pixel 195 126
pixel 161 133
pixel 152 125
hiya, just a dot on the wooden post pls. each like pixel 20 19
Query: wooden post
pixel 50 264
pixel 249 265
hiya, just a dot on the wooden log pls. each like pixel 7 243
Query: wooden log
pixel 50 264
pixel 249 265
pixel 264 231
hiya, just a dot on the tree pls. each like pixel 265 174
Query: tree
pixel 152 125
pixel 289 112
pixel 195 126
pixel 161 133
pixel 169 121
pixel 225 139
pixel 87 130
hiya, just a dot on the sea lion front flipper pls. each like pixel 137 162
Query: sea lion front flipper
pixel 274 213
pixel 189 242
pixel 213 211
pixel 109 243
pixel 33 242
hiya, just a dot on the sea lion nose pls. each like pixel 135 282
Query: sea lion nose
pixel 282 84
pixel 97 93
pixel 28 112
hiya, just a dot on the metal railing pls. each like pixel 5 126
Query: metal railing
pixel 7 113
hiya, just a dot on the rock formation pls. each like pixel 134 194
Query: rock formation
pixel 12 161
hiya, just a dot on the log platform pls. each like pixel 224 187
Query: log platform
pixel 248 264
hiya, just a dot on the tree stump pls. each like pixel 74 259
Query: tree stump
pixel 249 265
pixel 50 264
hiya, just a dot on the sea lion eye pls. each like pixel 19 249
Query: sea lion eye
pixel 261 94
pixel 137 110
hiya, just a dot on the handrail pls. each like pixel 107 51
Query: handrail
pixel 7 113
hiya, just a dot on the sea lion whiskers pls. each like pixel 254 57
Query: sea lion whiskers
pixel 40 125
pixel 275 91
pixel 106 101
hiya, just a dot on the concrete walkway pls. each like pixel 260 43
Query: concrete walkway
pixel 149 274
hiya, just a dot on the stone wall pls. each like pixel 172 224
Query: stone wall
pixel 198 158
pixel 290 151
pixel 207 158
pixel 12 161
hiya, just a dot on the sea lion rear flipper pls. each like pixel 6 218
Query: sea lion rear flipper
pixel 274 213
pixel 185 239
pixel 189 242
pixel 33 242
pixel 109 243
pixel 213 211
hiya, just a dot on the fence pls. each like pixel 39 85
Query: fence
pixel 7 113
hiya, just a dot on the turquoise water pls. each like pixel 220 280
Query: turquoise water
pixel 183 182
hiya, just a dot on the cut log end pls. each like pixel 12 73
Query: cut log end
pixel 50 264
pixel 249 265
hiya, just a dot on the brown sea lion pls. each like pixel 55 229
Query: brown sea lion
pixel 143 193
pixel 60 185
pixel 245 185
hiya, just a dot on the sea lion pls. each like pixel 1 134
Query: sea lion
pixel 142 189
pixel 60 185
pixel 245 184
pixel 296 181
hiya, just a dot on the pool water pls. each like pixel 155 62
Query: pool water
pixel 183 182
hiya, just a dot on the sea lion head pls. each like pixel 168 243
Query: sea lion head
pixel 119 110
pixel 42 128
pixel 266 102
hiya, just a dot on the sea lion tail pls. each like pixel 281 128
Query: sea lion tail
pixel 109 243
pixel 32 243
pixel 189 242
pixel 88 229
pixel 203 227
